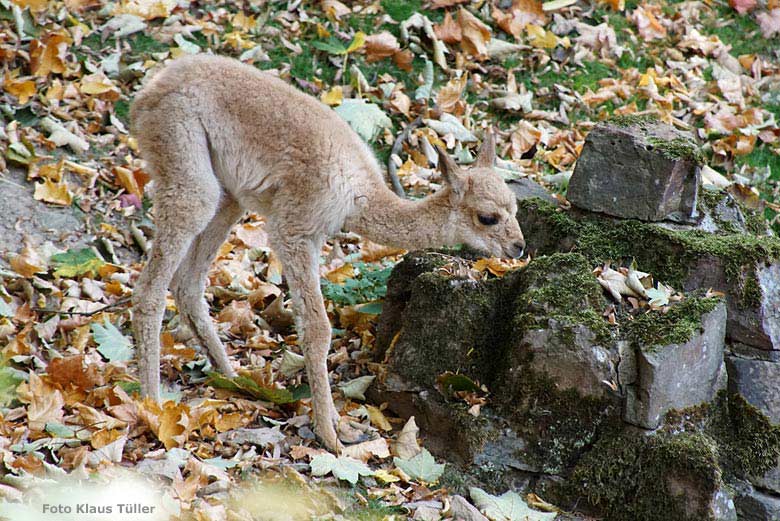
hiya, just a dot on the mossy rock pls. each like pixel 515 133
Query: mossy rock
pixel 636 167
pixel 629 476
pixel 742 265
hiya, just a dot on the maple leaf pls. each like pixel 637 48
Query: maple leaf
pixel 45 404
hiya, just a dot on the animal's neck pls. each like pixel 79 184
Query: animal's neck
pixel 387 219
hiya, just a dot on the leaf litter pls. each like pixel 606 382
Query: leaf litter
pixel 542 73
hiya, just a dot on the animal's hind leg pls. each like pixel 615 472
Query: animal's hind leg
pixel 190 279
pixel 185 199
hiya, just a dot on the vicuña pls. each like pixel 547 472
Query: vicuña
pixel 221 138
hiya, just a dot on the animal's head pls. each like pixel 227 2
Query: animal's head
pixel 484 208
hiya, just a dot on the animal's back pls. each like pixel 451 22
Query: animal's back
pixel 266 139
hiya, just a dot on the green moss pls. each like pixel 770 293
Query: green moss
pixel 676 326
pixel 634 120
pixel 750 445
pixel 633 477
pixel 678 148
pixel 669 255
pixel 558 425
pixel 561 287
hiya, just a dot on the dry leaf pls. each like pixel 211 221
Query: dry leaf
pixel 406 445
pixel 47 55
pixel 476 34
pixel 448 31
pixel 174 424
pixel 380 46
pixel 45 405
pixel 72 370
pixel 522 13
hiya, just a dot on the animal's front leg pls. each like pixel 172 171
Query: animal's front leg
pixel 300 262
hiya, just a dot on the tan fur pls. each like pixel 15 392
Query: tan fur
pixel 220 138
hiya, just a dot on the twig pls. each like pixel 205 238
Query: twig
pixel 396 150
pixel 121 302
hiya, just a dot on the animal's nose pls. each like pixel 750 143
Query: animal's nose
pixel 518 249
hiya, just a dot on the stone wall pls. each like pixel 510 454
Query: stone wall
pixel 659 415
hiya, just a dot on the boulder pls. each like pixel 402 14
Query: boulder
pixel 744 266
pixel 663 476
pixel 638 168
pixel 758 382
pixel 753 505
pixel 678 360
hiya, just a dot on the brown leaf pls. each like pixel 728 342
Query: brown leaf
pixel 48 54
pixel 476 34
pixel 448 31
pixel 174 424
pixel 380 46
pixel 522 13
pixel 28 262
pixel 403 60
pixel 449 96
pixel 22 88
pixel 72 370
pixel 55 192
pixel 45 406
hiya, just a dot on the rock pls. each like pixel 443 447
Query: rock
pixel 636 167
pixel 770 480
pixel 753 505
pixel 757 382
pixel 525 188
pixel 678 360
pixel 744 266
pixel 558 328
pixel 677 473
pixel 462 510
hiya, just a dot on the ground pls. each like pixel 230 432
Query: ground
pixel 74 187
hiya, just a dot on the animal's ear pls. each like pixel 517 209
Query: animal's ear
pixel 486 157
pixel 451 172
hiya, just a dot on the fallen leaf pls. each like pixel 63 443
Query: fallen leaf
pixel 343 467
pixel 380 46
pixel 509 506
pixel 448 31
pixel 769 22
pixel 45 404
pixel 406 445
pixel 366 450
pixel 367 119
pixel 174 424
pixel 356 387
pixel 112 344
pixel 421 467
pixel 476 34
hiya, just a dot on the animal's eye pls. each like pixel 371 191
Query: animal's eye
pixel 487 220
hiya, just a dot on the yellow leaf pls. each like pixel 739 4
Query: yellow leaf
pixel 103 437
pixel 148 9
pixel 48 55
pixel 229 421
pixel 385 477
pixel 243 22
pixel 341 274
pixel 27 263
pixel 53 192
pixel 22 89
pixel 377 418
pixel 98 84
pixel 34 5
pixel 540 38
pixel 357 42
pixel 322 32
pixel 174 424
pixel 333 97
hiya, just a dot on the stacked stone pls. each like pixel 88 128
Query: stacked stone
pixel 559 377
